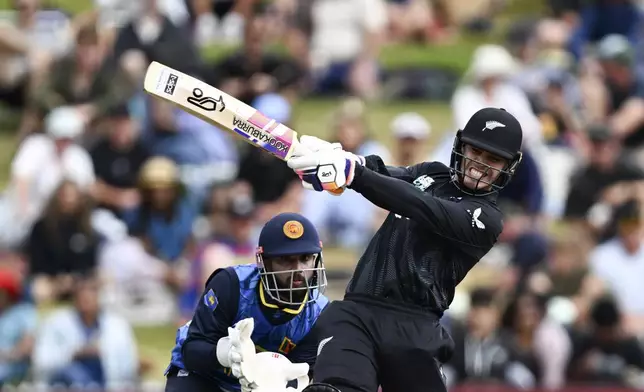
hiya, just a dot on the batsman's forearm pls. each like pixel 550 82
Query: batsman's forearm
pixel 200 356
pixel 375 163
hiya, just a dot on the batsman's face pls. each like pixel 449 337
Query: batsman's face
pixel 481 168
pixel 293 271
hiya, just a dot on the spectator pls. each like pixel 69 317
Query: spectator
pixel 540 344
pixel 217 21
pixel 62 244
pixel 118 158
pixel 601 18
pixel 112 15
pixel 489 84
pixel 522 203
pixel 18 320
pixel 41 163
pixel 214 214
pixel 350 128
pixel 348 221
pixel 606 180
pixel 239 236
pixel 620 261
pixel 133 281
pixel 268 177
pixel 480 353
pixel 252 71
pixel 606 354
pixel 566 269
pixel 30 39
pixel 164 220
pixel 83 80
pixel 154 34
pixel 342 53
pixel 205 154
pixel 411 21
pixel 410 131
pixel 625 90
pixel 85 345
pixel 236 245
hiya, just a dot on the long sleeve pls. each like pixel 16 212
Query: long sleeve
pixel 210 323
pixel 449 219
pixel 375 163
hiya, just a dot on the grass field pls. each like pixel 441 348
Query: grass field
pixel 310 117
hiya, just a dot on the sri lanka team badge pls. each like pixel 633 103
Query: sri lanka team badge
pixel 210 300
pixel 293 229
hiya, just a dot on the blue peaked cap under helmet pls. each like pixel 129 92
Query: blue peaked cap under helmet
pixel 289 234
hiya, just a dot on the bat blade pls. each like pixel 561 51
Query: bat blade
pixel 218 108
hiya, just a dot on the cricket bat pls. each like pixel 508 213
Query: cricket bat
pixel 218 108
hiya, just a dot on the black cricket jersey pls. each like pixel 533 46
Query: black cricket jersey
pixel 433 235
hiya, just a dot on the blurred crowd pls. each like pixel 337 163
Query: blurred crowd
pixel 120 206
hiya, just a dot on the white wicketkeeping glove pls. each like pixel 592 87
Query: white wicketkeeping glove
pixel 238 347
pixel 270 372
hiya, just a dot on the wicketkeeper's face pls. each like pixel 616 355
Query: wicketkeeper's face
pixel 481 168
pixel 293 271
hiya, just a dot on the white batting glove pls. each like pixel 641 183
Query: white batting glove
pixel 237 347
pixel 270 372
pixel 312 144
pixel 315 144
pixel 326 170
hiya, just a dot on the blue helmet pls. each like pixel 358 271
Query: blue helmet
pixel 286 236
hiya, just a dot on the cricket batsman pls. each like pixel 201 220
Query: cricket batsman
pixel 267 307
pixel 442 221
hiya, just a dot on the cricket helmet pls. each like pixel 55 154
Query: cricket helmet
pixel 495 131
pixel 290 234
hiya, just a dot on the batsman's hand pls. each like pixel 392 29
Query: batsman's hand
pixel 271 372
pixel 315 144
pixel 326 170
pixel 312 144
pixel 238 347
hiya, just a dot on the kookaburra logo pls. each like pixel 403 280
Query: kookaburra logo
pixel 492 124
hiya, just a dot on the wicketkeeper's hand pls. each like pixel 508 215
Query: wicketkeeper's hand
pixel 326 170
pixel 237 348
pixel 270 372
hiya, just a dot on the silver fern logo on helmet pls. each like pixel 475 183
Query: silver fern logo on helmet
pixel 492 124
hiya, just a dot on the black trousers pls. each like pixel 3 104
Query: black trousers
pixel 365 344
pixel 182 381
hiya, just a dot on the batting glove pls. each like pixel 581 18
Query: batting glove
pixel 271 372
pixel 326 170
pixel 312 144
pixel 315 144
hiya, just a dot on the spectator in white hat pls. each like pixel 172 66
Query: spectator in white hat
pixel 40 165
pixel 411 131
pixel 489 84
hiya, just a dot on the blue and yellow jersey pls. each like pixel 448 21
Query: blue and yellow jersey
pixel 233 294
